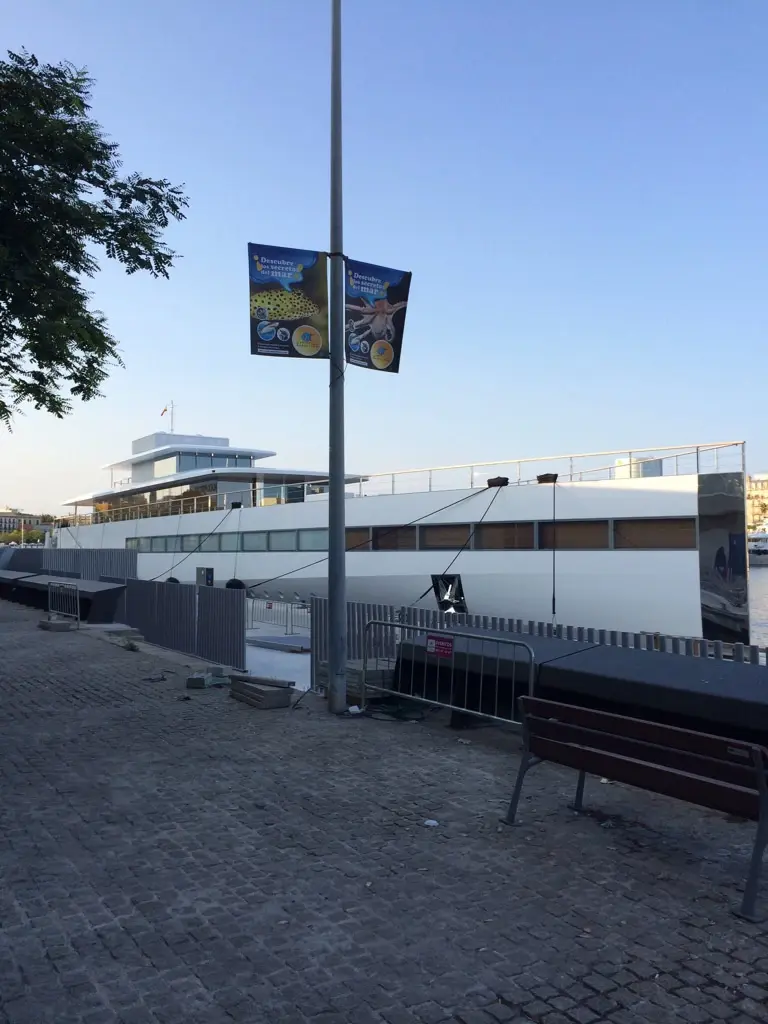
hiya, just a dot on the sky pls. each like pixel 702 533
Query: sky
pixel 579 190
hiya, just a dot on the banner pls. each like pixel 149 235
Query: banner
pixel 289 302
pixel 376 302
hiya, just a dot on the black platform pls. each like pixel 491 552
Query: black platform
pixel 722 697
pixel 98 600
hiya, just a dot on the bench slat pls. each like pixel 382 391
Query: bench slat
pixel 640 750
pixel 717 796
pixel 707 745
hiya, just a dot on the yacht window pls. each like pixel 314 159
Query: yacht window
pixel 444 538
pixel 187 462
pixel 358 538
pixel 173 543
pixel 219 461
pixel 504 536
pixel 132 543
pixel 230 541
pixel 313 540
pixel 190 542
pixel 157 545
pixel 203 461
pixel 574 535
pixel 394 538
pixel 654 534
pixel 282 540
pixel 143 544
pixel 254 542
pixel 210 543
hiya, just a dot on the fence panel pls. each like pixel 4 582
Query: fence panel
pixel 91 563
pixel 64 601
pixel 24 559
pixel 221 626
pixel 479 675
pixel 164 613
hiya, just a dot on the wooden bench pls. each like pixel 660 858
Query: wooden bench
pixel 710 771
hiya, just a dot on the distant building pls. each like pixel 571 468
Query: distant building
pixel 12 518
pixel 757 499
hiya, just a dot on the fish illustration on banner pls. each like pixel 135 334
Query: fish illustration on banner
pixel 376 302
pixel 289 301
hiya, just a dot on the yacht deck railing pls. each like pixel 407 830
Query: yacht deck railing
pixel 676 460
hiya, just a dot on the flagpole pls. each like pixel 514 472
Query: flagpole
pixel 337 599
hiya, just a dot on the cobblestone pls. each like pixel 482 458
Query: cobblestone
pixel 172 861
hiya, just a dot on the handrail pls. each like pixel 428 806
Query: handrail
pixel 180 505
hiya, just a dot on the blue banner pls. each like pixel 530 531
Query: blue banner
pixel 289 301
pixel 376 303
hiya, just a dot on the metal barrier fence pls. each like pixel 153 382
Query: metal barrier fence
pixel 64 601
pixel 450 669
pixel 221 625
pixel 91 563
pixel 291 615
pixel 206 622
pixel 358 614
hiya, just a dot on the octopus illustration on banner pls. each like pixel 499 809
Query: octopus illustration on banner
pixel 376 304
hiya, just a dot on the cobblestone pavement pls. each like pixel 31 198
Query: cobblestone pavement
pixel 198 861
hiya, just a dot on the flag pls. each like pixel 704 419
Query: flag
pixel 165 410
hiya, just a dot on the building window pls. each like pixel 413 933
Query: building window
pixel 313 540
pixel 157 545
pixel 574 535
pixel 210 543
pixel 165 467
pixel 254 542
pixel 504 537
pixel 444 538
pixel 654 534
pixel 282 540
pixel 358 539
pixel 394 538
pixel 230 541
pixel 143 545
pixel 190 542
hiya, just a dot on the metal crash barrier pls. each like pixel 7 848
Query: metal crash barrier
pixel 291 615
pixel 64 601
pixel 467 672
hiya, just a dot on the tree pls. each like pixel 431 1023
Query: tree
pixel 61 197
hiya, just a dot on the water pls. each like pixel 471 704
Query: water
pixel 758 605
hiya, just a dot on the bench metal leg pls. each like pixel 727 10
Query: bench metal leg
pixel 527 761
pixel 747 909
pixel 578 802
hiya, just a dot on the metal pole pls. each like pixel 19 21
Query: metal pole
pixel 554 552
pixel 337 598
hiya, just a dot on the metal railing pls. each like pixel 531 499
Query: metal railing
pixel 64 601
pixel 358 614
pixel 677 460
pixel 291 615
pixel 447 668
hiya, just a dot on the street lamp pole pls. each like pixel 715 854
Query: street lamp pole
pixel 337 598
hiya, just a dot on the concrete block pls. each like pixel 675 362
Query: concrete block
pixel 56 625
pixel 263 697
pixel 243 677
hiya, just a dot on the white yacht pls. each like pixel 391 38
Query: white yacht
pixel 651 540
pixel 757 545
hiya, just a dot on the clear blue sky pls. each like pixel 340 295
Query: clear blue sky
pixel 579 188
